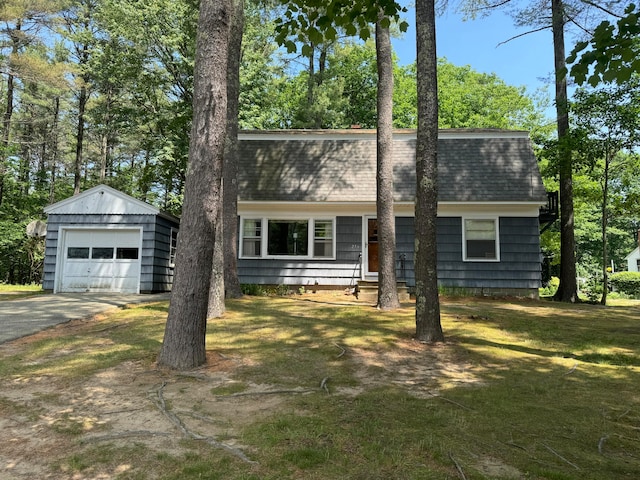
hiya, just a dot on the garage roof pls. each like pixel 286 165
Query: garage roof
pixel 102 200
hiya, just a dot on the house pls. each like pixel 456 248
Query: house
pixel 307 209
pixel 105 241
pixel 633 260
pixel 307 217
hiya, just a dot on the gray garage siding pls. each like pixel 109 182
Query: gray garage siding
pixel 155 274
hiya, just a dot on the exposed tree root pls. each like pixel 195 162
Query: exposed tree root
pixel 158 399
pixel 458 467
pixel 117 436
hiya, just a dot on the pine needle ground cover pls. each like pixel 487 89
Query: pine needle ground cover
pixel 315 387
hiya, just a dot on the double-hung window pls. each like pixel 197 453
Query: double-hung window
pixel 480 239
pixel 287 238
pixel 252 237
pixel 323 238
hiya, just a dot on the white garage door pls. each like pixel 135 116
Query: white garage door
pixel 104 260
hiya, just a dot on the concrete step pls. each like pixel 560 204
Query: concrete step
pixel 368 291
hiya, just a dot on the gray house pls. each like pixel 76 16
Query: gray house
pixel 307 210
pixel 105 241
pixel 307 217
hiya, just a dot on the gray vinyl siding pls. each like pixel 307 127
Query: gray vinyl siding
pixel 155 274
pixel 518 268
pixel 338 272
pixel 517 272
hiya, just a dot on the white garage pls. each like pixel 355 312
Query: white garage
pixel 100 260
pixel 103 240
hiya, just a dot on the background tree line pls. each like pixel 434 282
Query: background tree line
pixel 100 91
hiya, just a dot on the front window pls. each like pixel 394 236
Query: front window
pixel 480 239
pixel 288 237
pixel 274 237
pixel 323 238
pixel 252 238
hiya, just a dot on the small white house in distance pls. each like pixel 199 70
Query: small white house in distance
pixel 633 260
pixel 103 240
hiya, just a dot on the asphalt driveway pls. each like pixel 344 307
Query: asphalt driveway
pixel 19 318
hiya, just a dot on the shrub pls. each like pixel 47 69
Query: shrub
pixel 627 283
pixel 550 289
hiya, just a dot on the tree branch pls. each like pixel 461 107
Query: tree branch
pixel 525 33
pixel 600 7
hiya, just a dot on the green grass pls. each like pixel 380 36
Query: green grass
pixel 13 292
pixel 521 389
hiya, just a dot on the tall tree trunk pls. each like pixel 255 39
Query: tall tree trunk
pixel 605 223
pixel 568 287
pixel 77 165
pixel 230 186
pixel 387 285
pixel 428 326
pixel 6 119
pixel 184 337
pixel 54 149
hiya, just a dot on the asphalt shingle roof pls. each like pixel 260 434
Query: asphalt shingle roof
pixel 340 166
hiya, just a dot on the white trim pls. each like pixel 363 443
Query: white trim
pixel 366 274
pixel 264 235
pixel 369 134
pixel 401 209
pixel 125 205
pixel 496 222
pixel 62 240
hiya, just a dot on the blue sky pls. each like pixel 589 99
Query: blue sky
pixel 526 61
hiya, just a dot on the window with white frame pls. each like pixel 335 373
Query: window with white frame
pixel 173 247
pixel 286 237
pixel 480 237
pixel 323 238
pixel 252 237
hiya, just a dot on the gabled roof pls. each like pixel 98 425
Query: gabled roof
pixel 102 199
pixel 340 166
pixel 634 253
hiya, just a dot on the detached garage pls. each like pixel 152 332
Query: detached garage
pixel 106 241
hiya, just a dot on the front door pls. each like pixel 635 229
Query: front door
pixel 372 246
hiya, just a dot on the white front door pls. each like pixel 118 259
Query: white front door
pixel 100 260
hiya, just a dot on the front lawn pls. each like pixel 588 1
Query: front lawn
pixel 313 387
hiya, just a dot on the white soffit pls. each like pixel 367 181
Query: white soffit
pixel 101 200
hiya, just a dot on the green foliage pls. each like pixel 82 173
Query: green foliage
pixel 551 287
pixel 614 53
pixel 627 283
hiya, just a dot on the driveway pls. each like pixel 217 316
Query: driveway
pixel 19 318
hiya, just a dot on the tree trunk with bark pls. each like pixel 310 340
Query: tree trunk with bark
pixel 230 187
pixel 387 284
pixel 568 287
pixel 605 224
pixel 77 165
pixel 6 118
pixel 184 337
pixel 428 326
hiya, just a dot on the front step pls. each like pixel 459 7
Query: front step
pixel 368 291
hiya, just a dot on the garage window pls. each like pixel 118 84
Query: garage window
pixel 78 252
pixel 127 253
pixel 102 253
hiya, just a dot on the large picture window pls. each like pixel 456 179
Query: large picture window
pixel 288 237
pixel 481 239
pixel 276 237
